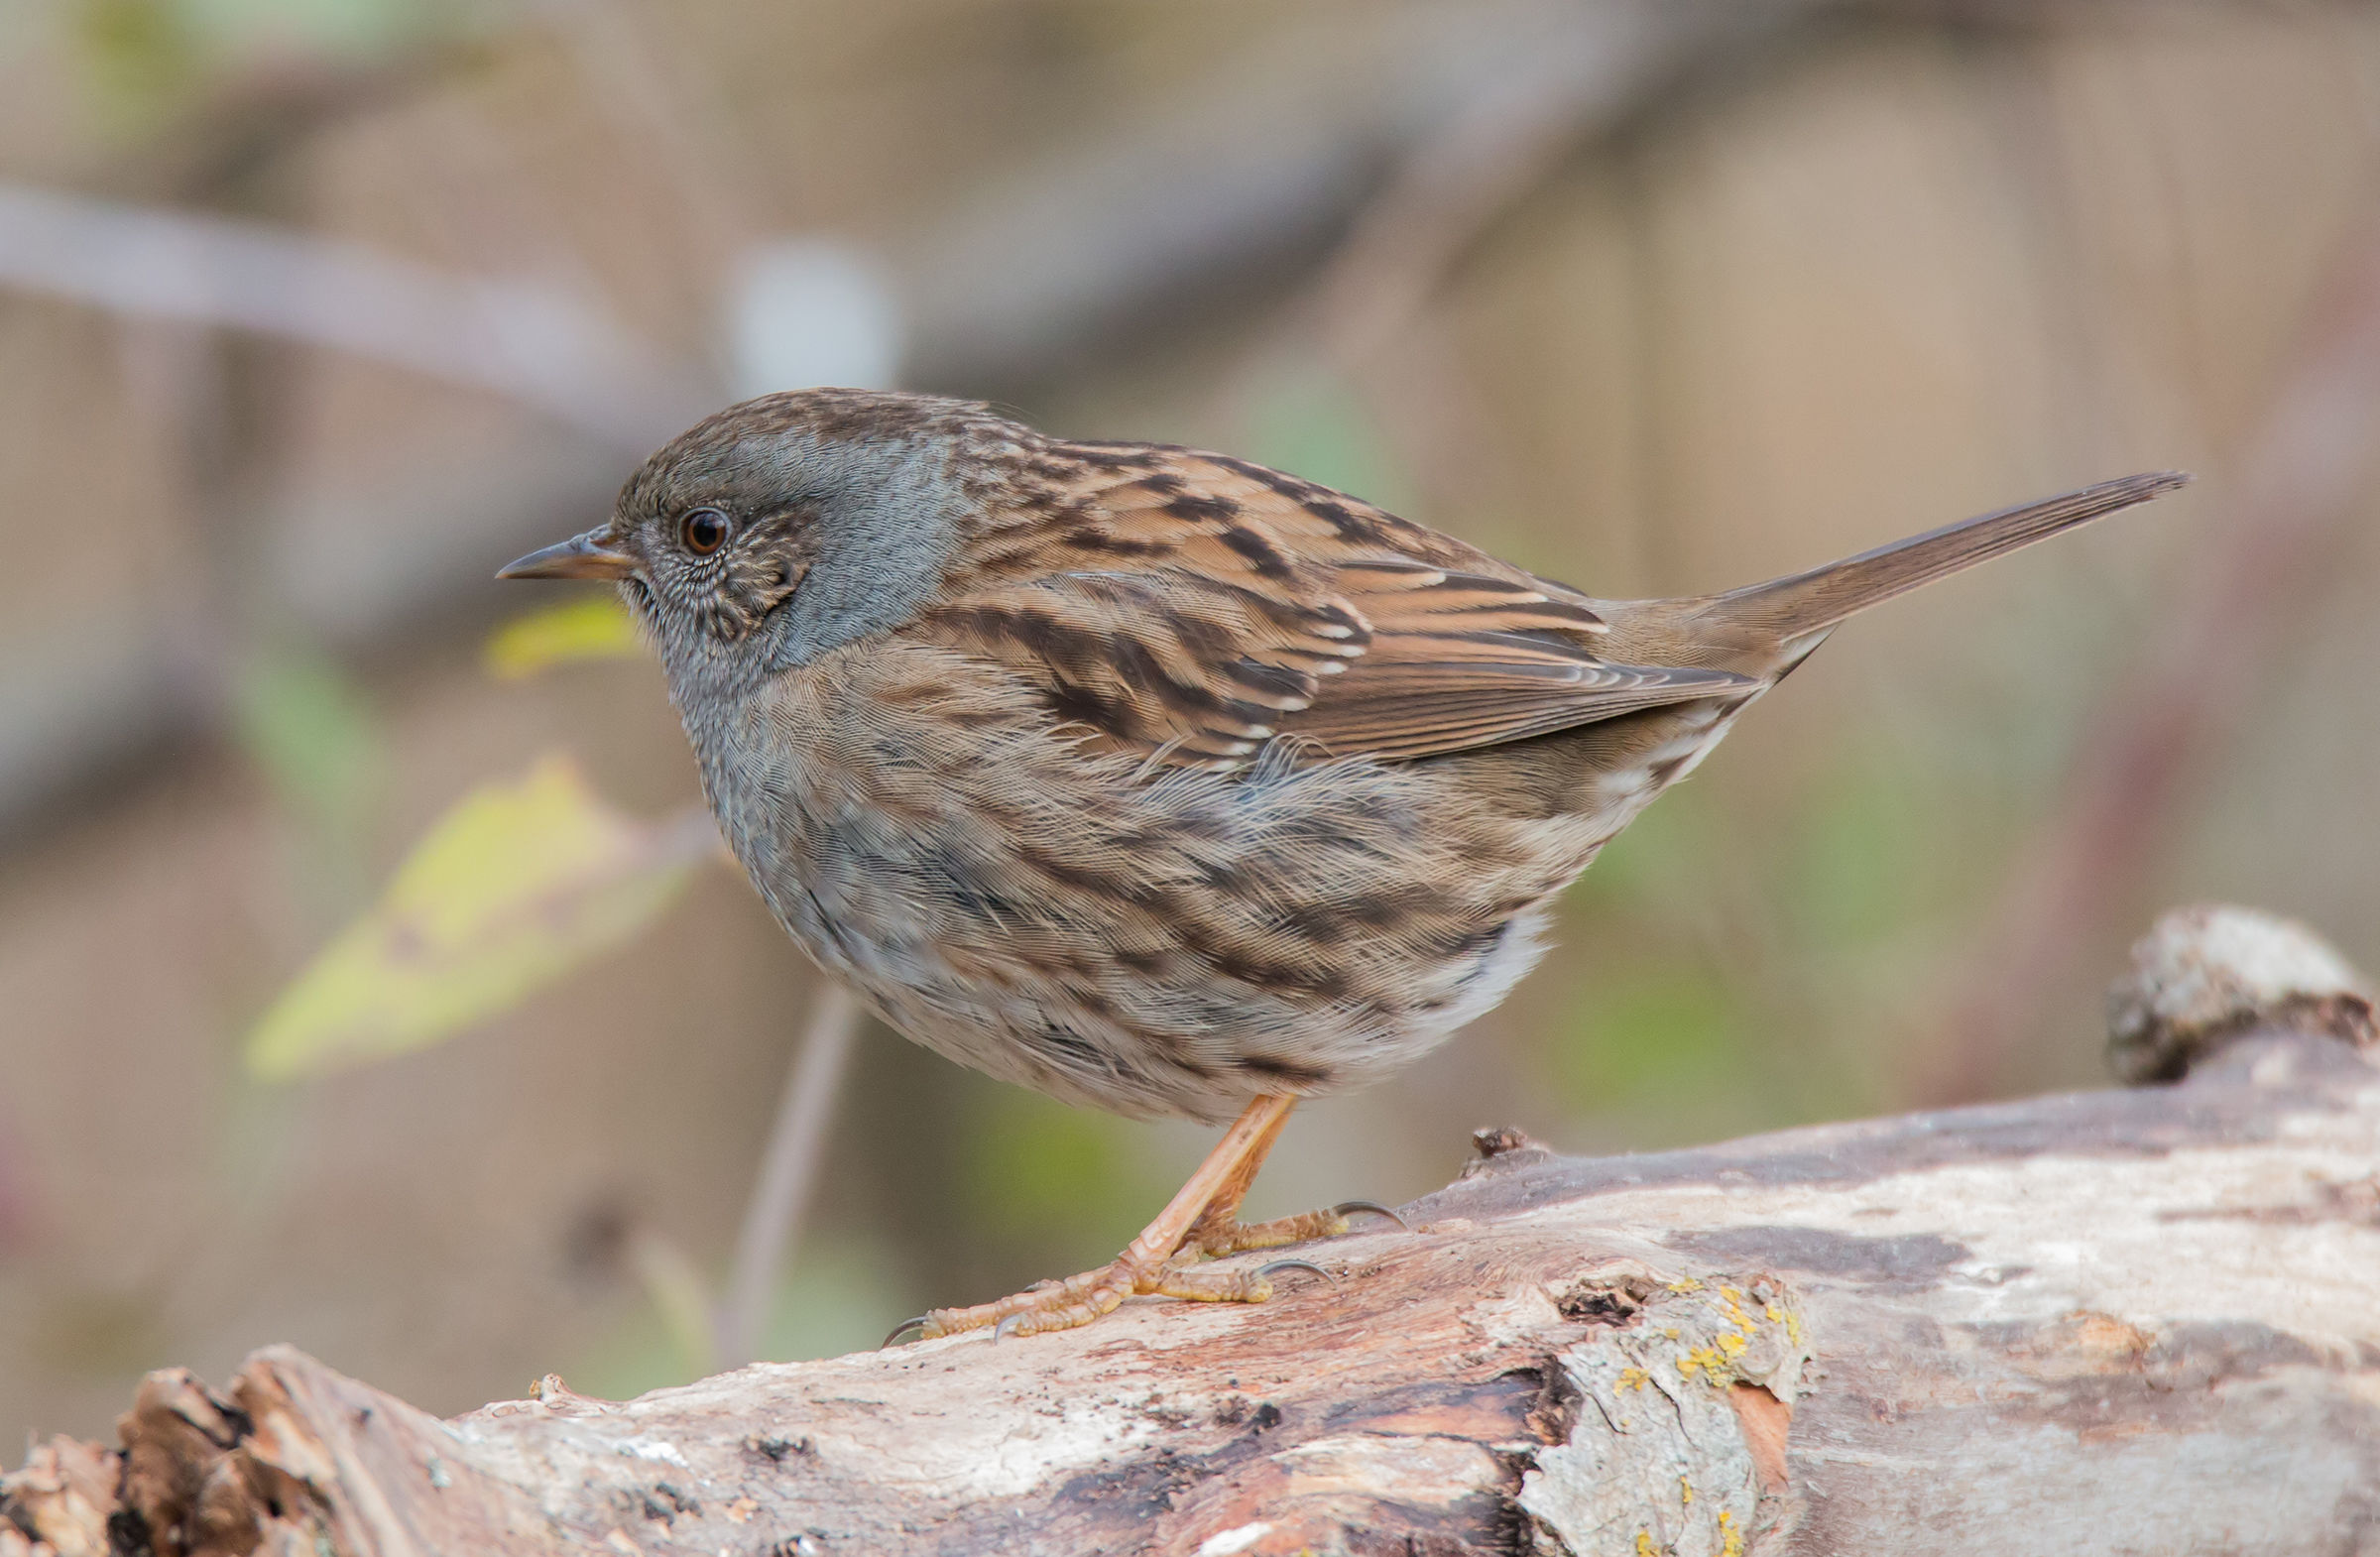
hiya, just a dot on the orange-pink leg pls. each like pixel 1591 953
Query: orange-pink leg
pixel 1207 1206
pixel 1218 1230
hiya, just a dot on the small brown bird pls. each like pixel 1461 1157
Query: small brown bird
pixel 1158 779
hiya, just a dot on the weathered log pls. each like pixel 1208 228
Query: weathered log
pixel 2127 1321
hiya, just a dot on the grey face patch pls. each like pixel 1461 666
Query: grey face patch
pixel 881 520
pixel 887 521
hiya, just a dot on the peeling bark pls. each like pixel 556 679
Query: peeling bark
pixel 2139 1321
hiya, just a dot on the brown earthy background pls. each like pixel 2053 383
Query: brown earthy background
pixel 1651 299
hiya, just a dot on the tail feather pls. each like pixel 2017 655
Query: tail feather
pixel 1804 603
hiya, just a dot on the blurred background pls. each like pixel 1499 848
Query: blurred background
pixel 313 313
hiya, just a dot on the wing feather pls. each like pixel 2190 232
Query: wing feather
pixel 1189 608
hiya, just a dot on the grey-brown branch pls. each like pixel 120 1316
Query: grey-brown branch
pixel 2124 1321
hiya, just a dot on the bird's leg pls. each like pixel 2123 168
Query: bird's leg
pixel 1218 1230
pixel 1146 1264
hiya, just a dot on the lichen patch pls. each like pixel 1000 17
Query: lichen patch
pixel 1664 1452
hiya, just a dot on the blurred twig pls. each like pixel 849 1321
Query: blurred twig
pixel 528 342
pixel 1254 171
pixel 248 116
pixel 1369 306
pixel 15 1190
pixel 675 1286
pixel 1366 309
pixel 628 84
pixel 1506 142
pixel 788 1174
pixel 2299 485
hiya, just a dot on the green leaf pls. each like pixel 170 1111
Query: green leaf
pixel 516 886
pixel 591 627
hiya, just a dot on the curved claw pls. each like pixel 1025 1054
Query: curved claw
pixel 1263 1273
pixel 1349 1207
pixel 1004 1326
pixel 901 1328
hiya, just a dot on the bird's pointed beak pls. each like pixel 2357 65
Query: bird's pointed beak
pixel 580 556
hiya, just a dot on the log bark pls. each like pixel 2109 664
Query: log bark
pixel 2137 1321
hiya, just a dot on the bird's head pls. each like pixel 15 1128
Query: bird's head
pixel 785 526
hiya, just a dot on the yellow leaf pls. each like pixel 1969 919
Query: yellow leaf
pixel 590 627
pixel 513 888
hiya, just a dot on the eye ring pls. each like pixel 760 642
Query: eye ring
pixel 703 530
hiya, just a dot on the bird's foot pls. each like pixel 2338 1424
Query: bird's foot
pixel 1202 1221
pixel 1077 1300
pixel 1217 1235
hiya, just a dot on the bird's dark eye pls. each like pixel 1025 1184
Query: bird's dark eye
pixel 704 531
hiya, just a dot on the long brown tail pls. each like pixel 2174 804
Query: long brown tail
pixel 1803 603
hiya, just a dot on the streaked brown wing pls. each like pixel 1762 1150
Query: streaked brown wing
pixel 1191 607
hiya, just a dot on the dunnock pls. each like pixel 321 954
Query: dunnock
pixel 1158 779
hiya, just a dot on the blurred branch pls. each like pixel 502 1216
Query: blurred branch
pixel 628 83
pixel 2302 483
pixel 1366 308
pixel 243 119
pixel 1574 77
pixel 1579 81
pixel 1266 166
pixel 788 1172
pixel 526 342
pixel 1427 124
